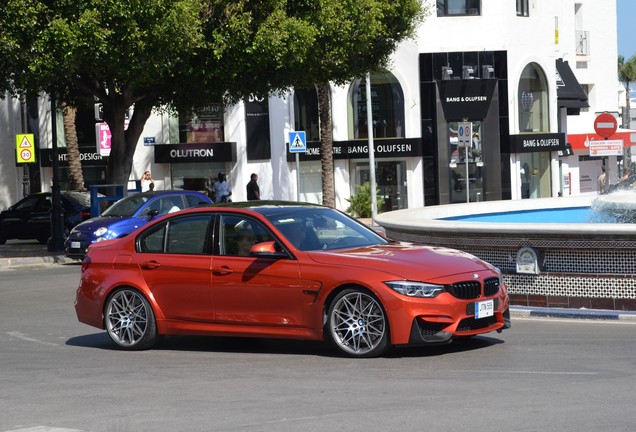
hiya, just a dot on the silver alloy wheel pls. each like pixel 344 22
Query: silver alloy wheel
pixel 129 320
pixel 357 324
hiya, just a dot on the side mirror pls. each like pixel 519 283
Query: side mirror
pixel 267 249
pixel 152 213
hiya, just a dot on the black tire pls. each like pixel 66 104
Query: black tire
pixel 357 325
pixel 130 321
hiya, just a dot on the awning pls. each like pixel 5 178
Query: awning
pixel 570 95
pixel 582 141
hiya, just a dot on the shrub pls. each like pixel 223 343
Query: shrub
pixel 360 202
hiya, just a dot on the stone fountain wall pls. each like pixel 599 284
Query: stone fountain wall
pixel 590 266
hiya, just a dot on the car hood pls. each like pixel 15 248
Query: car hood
pixel 92 224
pixel 406 260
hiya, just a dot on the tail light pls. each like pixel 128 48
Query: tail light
pixel 85 214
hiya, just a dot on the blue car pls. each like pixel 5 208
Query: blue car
pixel 128 214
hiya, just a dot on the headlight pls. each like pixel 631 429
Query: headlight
pixel 501 281
pixel 416 289
pixel 100 231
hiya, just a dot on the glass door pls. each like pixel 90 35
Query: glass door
pixel 466 166
pixel 390 180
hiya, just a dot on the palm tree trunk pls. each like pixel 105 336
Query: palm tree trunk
pixel 326 143
pixel 75 174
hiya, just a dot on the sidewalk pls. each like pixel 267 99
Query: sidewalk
pixel 19 254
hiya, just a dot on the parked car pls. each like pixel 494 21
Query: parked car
pixel 285 270
pixel 30 218
pixel 128 214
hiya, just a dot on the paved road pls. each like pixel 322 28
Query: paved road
pixel 57 375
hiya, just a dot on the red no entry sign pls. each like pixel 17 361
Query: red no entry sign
pixel 605 125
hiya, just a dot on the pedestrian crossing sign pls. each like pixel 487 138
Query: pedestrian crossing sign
pixel 297 142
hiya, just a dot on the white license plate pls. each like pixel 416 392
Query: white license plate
pixel 484 309
pixel 75 245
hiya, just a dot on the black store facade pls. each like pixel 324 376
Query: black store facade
pixel 460 87
pixel 473 87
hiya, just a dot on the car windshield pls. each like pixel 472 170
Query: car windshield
pixel 126 207
pixel 323 229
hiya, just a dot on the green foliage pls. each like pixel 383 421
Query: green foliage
pixel 184 54
pixel 360 202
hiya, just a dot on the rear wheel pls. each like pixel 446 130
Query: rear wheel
pixel 357 324
pixel 130 321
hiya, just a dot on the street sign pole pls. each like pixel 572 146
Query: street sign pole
pixel 465 133
pixel 297 144
pixel 297 177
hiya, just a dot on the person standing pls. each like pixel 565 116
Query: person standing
pixel 146 180
pixel 253 191
pixel 602 182
pixel 222 189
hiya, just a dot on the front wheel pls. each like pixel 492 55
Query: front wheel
pixel 130 321
pixel 357 324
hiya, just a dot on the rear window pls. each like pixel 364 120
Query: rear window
pixel 84 198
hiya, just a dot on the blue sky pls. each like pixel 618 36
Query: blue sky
pixel 626 13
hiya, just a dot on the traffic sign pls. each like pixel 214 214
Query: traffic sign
pixel 297 142
pixel 605 125
pixel 465 134
pixel 25 148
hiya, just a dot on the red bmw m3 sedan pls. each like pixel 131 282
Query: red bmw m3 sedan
pixel 285 270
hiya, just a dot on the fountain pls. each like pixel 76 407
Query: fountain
pixel 548 264
pixel 620 204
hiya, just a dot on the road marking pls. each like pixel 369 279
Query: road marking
pixel 21 336
pixel 44 429
pixel 521 372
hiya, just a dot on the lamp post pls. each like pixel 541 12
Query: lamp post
pixel 374 198
pixel 56 242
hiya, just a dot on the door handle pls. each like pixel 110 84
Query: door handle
pixel 222 270
pixel 150 265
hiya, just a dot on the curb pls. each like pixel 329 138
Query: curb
pixel 14 262
pixel 589 314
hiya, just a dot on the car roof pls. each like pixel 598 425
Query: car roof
pixel 266 208
pixel 154 193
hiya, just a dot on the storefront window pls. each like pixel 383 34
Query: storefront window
pixel 522 8
pixel 390 179
pixel 196 176
pixel 533 100
pixel 311 182
pixel 205 125
pixel 306 113
pixel 535 175
pixel 387 104
pixel 458 7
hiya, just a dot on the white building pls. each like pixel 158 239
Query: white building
pixel 502 66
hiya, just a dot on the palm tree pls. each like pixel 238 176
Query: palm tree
pixel 75 174
pixel 627 75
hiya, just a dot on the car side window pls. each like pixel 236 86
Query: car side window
pixel 27 204
pixel 152 241
pixel 237 234
pixel 194 200
pixel 187 235
pixel 165 205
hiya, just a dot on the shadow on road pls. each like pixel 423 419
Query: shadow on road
pixel 279 346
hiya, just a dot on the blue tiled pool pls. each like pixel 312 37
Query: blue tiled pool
pixel 571 215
